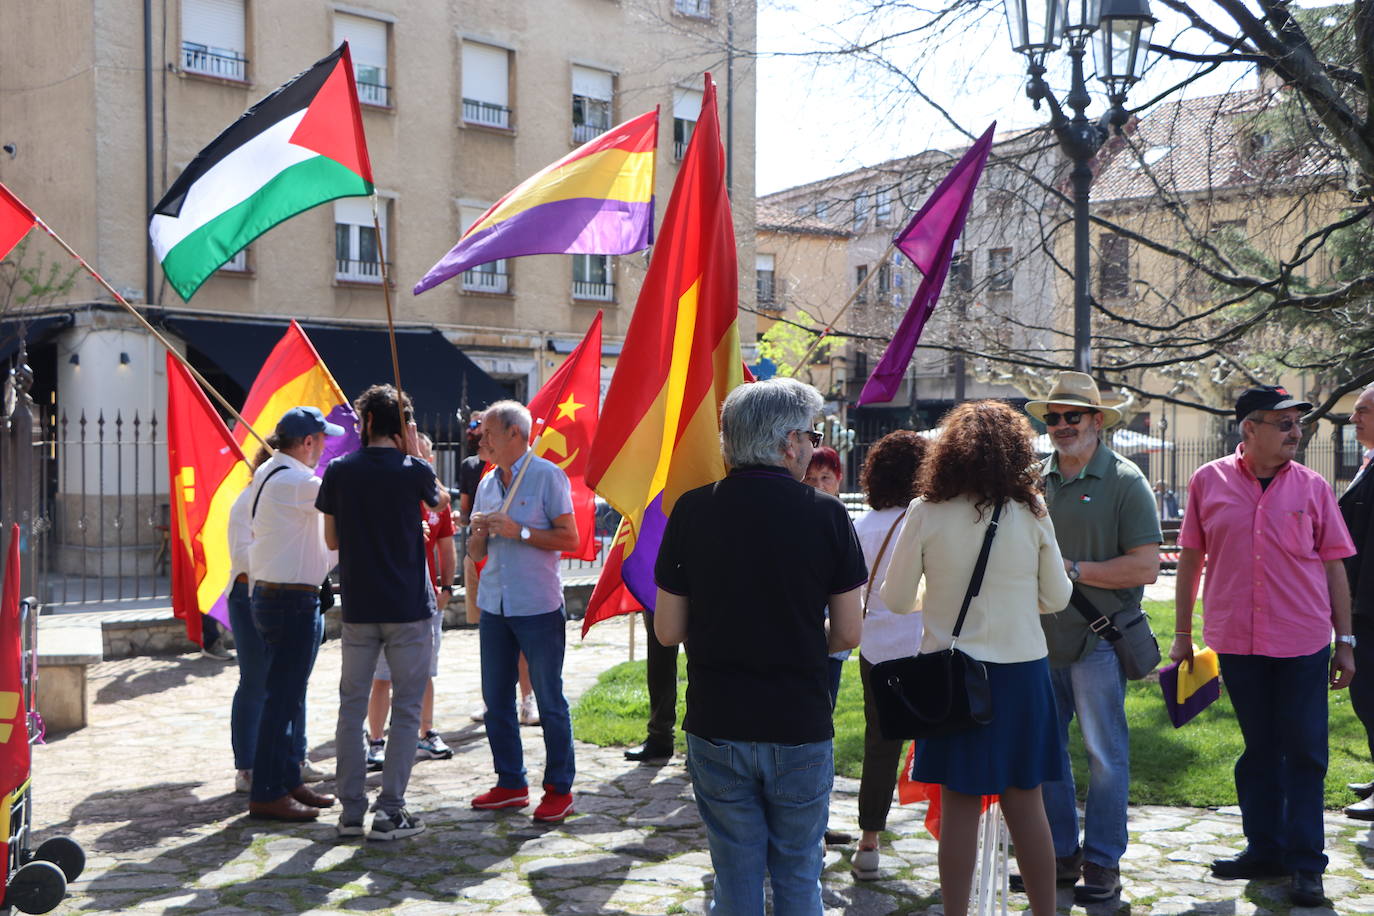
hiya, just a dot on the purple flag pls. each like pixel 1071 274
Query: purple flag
pixel 928 240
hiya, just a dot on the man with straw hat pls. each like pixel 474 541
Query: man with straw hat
pixel 1107 527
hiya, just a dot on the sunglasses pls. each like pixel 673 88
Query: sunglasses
pixel 1283 426
pixel 815 437
pixel 1071 417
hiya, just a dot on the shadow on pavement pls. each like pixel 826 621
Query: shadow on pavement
pixel 170 672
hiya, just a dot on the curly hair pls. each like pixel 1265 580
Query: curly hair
pixel 888 477
pixel 379 404
pixel 984 454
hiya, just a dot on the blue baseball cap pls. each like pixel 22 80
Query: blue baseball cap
pixel 299 422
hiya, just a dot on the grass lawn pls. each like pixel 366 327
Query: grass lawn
pixel 1186 766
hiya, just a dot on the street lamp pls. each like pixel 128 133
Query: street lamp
pixel 1123 27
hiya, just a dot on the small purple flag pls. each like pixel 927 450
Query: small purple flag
pixel 928 240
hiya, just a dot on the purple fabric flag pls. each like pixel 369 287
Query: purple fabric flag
pixel 928 240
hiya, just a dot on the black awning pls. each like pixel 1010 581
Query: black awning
pixel 34 329
pixel 439 377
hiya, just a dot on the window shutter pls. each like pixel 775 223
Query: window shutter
pixel 484 74
pixel 469 215
pixel 366 39
pixel 217 24
pixel 592 84
pixel 763 262
pixel 686 104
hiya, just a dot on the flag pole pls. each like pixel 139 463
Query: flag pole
pixel 390 324
pixel 156 334
pixel 853 297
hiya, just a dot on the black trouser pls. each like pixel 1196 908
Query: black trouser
pixel 661 662
pixel 1362 688
pixel 881 758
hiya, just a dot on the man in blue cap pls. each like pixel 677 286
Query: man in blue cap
pixel 288 560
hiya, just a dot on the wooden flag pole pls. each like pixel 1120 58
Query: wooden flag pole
pixel 390 324
pixel 853 297
pixel 160 339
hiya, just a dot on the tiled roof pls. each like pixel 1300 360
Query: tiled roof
pixel 773 218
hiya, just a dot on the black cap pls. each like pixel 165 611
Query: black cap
pixel 1266 397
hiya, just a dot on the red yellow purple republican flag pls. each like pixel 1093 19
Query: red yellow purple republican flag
pixel 660 423
pixel 207 471
pixel 295 376
pixel 565 412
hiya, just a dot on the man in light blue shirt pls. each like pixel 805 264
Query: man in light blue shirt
pixel 520 595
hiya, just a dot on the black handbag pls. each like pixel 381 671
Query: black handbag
pixel 1129 633
pixel 937 693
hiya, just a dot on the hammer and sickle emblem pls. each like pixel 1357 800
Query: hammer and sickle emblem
pixel 9 706
pixel 551 440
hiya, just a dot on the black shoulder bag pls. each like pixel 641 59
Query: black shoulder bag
pixel 938 693
pixel 1129 633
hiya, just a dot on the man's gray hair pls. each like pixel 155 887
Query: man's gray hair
pixel 756 418
pixel 510 413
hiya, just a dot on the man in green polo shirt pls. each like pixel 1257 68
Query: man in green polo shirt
pixel 1108 531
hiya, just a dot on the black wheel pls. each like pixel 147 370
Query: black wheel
pixel 65 853
pixel 36 887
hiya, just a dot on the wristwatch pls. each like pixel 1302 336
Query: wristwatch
pixel 524 532
pixel 1348 640
pixel 1074 572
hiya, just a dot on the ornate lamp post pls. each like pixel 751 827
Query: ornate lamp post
pixel 1123 29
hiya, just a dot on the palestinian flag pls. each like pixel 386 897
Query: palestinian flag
pixel 301 146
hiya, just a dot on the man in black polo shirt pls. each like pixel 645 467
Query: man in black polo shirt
pixel 746 572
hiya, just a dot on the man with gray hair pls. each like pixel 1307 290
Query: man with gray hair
pixel 522 520
pixel 747 569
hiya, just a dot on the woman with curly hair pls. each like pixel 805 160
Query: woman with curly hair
pixel 888 480
pixel 984 460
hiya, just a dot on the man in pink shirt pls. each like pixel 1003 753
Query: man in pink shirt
pixel 1272 539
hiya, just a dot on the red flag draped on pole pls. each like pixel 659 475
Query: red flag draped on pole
pixel 207 472
pixel 14 719
pixel 15 220
pixel 567 408
pixel 929 241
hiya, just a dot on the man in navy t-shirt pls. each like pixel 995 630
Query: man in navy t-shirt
pixel 371 504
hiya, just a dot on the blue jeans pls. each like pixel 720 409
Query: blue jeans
pixel 765 808
pixel 542 637
pixel 289 623
pixel 246 712
pixel 1280 706
pixel 1094 689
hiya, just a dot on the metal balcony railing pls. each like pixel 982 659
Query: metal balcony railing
pixel 485 113
pixel 357 271
pixel 481 280
pixel 218 62
pixel 374 94
pixel 601 292
pixel 583 133
pixel 700 9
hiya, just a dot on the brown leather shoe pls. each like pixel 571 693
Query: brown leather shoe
pixel 285 808
pixel 308 796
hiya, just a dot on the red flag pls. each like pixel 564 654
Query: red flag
pixel 15 220
pixel 611 596
pixel 14 720
pixel 207 473
pixel 909 792
pixel 567 408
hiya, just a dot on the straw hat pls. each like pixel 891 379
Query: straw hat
pixel 1074 389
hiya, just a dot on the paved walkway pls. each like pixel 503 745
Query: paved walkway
pixel 147 789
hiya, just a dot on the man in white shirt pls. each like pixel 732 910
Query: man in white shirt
pixel 287 561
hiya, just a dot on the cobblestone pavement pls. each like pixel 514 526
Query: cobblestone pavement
pixel 147 789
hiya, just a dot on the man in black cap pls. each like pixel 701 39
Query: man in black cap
pixel 1273 542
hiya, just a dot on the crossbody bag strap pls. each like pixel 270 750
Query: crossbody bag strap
pixel 1098 622
pixel 258 495
pixel 873 573
pixel 976 582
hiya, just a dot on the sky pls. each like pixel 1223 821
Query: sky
pixel 820 114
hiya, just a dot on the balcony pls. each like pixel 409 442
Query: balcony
pixel 583 133
pixel 599 292
pixel 486 113
pixel 373 94
pixel 488 278
pixel 347 271
pixel 221 63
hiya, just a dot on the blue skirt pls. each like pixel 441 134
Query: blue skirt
pixel 1019 747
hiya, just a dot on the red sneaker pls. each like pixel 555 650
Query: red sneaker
pixel 502 798
pixel 554 806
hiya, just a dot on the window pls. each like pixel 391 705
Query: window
pixel 884 279
pixel 999 269
pixel 686 110
pixel 212 38
pixel 882 210
pixel 486 85
pixel 698 9
pixel 861 284
pixel 357 249
pixel 367 44
pixel 961 272
pixel 822 210
pixel 238 264
pixel 764 279
pixel 593 277
pixel 860 212
pixel 592 91
pixel 1113 266
pixel 1002 201
pixel 493 277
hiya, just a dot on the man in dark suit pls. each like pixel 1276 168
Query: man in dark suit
pixel 1357 507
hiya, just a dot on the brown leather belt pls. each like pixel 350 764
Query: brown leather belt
pixel 286 587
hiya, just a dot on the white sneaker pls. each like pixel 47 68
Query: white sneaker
pixel 479 714
pixel 312 773
pixel 243 781
pixel 529 710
